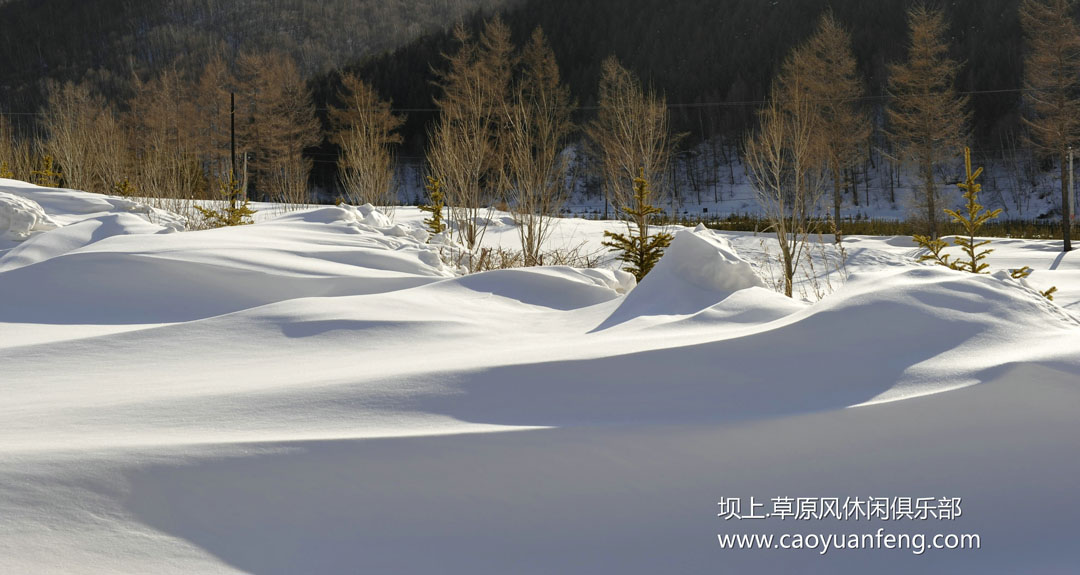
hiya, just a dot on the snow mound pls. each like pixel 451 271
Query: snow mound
pixel 20 217
pixel 698 270
pixel 142 276
pixel 366 215
pixel 41 247
pixel 66 207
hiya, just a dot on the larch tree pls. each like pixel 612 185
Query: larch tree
pixel 824 69
pixel 279 123
pixel 163 141
pixel 365 129
pixel 928 120
pixel 214 92
pixel 540 123
pixel 1052 87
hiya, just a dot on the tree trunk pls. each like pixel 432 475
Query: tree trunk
pixel 931 203
pixel 837 199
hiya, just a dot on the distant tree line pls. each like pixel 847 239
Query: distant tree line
pixel 716 60
pixel 491 105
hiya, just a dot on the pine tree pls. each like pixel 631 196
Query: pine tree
pixel 972 221
pixel 640 251
pixel 434 223
pixel 5 171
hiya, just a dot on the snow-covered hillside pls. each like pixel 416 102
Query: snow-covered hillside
pixel 321 393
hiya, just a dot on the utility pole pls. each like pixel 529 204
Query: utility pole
pixel 232 150
pixel 1072 189
pixel 232 131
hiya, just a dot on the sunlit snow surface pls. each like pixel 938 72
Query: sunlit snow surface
pixel 320 393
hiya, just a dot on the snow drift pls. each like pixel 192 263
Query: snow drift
pixel 19 217
pixel 697 271
pixel 319 393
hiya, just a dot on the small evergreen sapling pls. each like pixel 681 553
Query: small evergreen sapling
pixel 434 223
pixel 123 188
pixel 5 171
pixel 47 176
pixel 972 222
pixel 235 214
pixel 640 251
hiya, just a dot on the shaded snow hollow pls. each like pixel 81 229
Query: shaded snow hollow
pixel 319 393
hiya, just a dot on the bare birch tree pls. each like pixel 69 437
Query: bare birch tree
pixel 784 170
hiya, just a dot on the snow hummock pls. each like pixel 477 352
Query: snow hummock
pixel 320 393
pixel 19 217
pixel 698 270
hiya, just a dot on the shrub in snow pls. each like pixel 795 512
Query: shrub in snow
pixel 124 188
pixel 234 214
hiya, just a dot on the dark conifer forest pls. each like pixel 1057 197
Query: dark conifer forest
pixel 714 60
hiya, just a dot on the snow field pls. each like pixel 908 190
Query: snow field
pixel 320 393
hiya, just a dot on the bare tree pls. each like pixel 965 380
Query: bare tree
pixel 71 121
pixel 825 67
pixel 365 130
pixel 540 124
pixel 786 175
pixel 630 133
pixel 1052 83
pixel 109 164
pixel 468 144
pixel 7 149
pixel 927 118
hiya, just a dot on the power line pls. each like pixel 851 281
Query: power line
pixel 681 105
